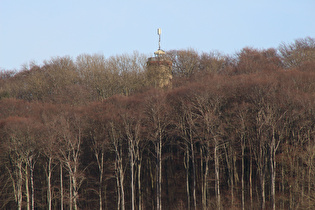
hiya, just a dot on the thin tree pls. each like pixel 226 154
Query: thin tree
pixel 70 140
pixel 209 105
pixel 157 122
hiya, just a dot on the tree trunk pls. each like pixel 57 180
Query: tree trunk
pixel 282 182
pixel 262 185
pixel 261 172
pixel 250 177
pixel 27 188
pixel 19 185
pixel 70 192
pixel 310 158
pixel 273 171
pixel 302 186
pixel 217 174
pixel 122 193
pixel 32 183
pixel 204 173
pixel 105 196
pixel 49 196
pixel 206 181
pixel 194 172
pixel 159 172
pixel 235 173
pixel 75 190
pixel 243 171
pixel 187 178
pixel 119 170
pixel 100 163
pixel 139 186
pixel 202 178
pixel 61 187
pixel 120 180
pixel 132 182
pixel 232 189
pixel 118 186
pixel 290 197
pixel 101 168
pixel 229 163
pixel 309 181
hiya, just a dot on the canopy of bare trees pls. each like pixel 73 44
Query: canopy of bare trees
pixel 234 132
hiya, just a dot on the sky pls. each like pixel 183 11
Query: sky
pixel 34 31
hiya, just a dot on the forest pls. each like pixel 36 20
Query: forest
pixel 232 132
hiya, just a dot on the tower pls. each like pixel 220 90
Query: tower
pixel 159 68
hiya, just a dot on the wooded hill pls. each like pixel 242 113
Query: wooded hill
pixel 233 132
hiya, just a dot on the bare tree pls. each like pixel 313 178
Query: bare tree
pixel 99 143
pixel 21 136
pixel 185 121
pixel 130 71
pixel 295 54
pixel 70 140
pixel 212 63
pixel 185 62
pixel 132 130
pixel 250 60
pixel 50 148
pixel 209 105
pixel 116 140
pixel 157 120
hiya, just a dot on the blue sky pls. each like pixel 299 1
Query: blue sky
pixel 37 30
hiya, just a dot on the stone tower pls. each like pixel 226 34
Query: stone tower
pixel 159 68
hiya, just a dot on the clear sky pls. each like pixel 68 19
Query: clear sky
pixel 37 30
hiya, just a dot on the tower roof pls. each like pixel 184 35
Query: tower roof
pixel 159 52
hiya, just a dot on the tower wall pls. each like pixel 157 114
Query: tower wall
pixel 159 71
